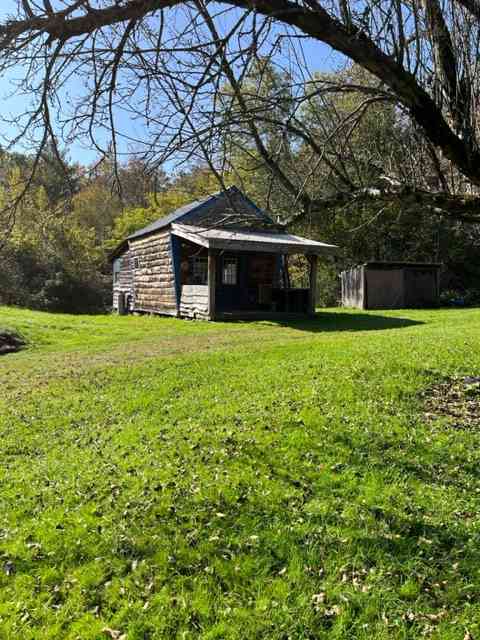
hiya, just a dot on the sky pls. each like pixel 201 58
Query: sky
pixel 320 57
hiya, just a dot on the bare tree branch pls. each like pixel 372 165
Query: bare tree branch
pixel 165 63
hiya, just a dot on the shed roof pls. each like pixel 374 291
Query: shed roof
pixel 247 240
pixel 379 264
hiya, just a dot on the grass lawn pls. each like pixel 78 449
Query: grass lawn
pixel 171 479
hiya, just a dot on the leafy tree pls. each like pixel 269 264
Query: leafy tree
pixel 169 76
pixel 189 186
pixel 59 178
pixel 96 208
pixel 50 261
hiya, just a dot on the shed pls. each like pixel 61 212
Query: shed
pixel 221 257
pixel 391 285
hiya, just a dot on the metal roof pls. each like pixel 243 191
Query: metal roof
pixel 171 217
pixel 385 264
pixel 246 240
pixel 205 206
pixel 229 216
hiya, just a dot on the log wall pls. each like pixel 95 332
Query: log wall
pixel 194 301
pixel 124 282
pixel 154 277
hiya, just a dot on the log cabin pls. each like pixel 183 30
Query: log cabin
pixel 218 258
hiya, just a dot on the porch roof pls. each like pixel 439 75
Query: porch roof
pixel 246 240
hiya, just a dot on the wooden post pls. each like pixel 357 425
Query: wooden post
pixel 212 267
pixel 313 285
pixel 364 288
pixel 287 283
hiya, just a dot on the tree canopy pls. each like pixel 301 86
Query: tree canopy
pixel 182 71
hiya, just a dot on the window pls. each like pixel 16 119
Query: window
pixel 117 265
pixel 136 263
pixel 229 271
pixel 200 270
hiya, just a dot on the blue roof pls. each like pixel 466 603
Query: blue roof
pixel 197 206
pixel 196 212
pixel 171 217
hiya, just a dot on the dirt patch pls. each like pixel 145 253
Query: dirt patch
pixel 10 342
pixel 457 400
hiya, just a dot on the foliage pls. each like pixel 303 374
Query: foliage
pixel 169 94
pixel 195 185
pixel 328 285
pixel 172 479
pixel 50 260
pixel 56 255
pixel 96 207
pixel 469 297
pixel 381 142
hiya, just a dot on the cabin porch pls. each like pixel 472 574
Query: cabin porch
pixel 229 284
pixel 241 273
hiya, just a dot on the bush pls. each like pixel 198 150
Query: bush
pixel 460 298
pixel 30 280
pixel 328 285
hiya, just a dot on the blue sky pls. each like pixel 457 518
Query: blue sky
pixel 320 58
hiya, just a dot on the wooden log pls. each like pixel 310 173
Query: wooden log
pixel 195 301
pixel 160 292
pixel 153 304
pixel 153 284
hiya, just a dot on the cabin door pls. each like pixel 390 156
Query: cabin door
pixel 245 281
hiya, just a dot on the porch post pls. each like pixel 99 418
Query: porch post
pixel 212 262
pixel 312 294
pixel 286 277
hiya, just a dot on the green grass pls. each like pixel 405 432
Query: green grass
pixel 172 479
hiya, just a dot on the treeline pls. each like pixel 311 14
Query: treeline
pixel 54 251
pixel 55 244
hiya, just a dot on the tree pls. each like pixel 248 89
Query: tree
pixel 194 185
pixel 166 63
pixel 50 259
pixel 56 174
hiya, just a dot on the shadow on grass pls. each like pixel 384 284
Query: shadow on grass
pixel 333 321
